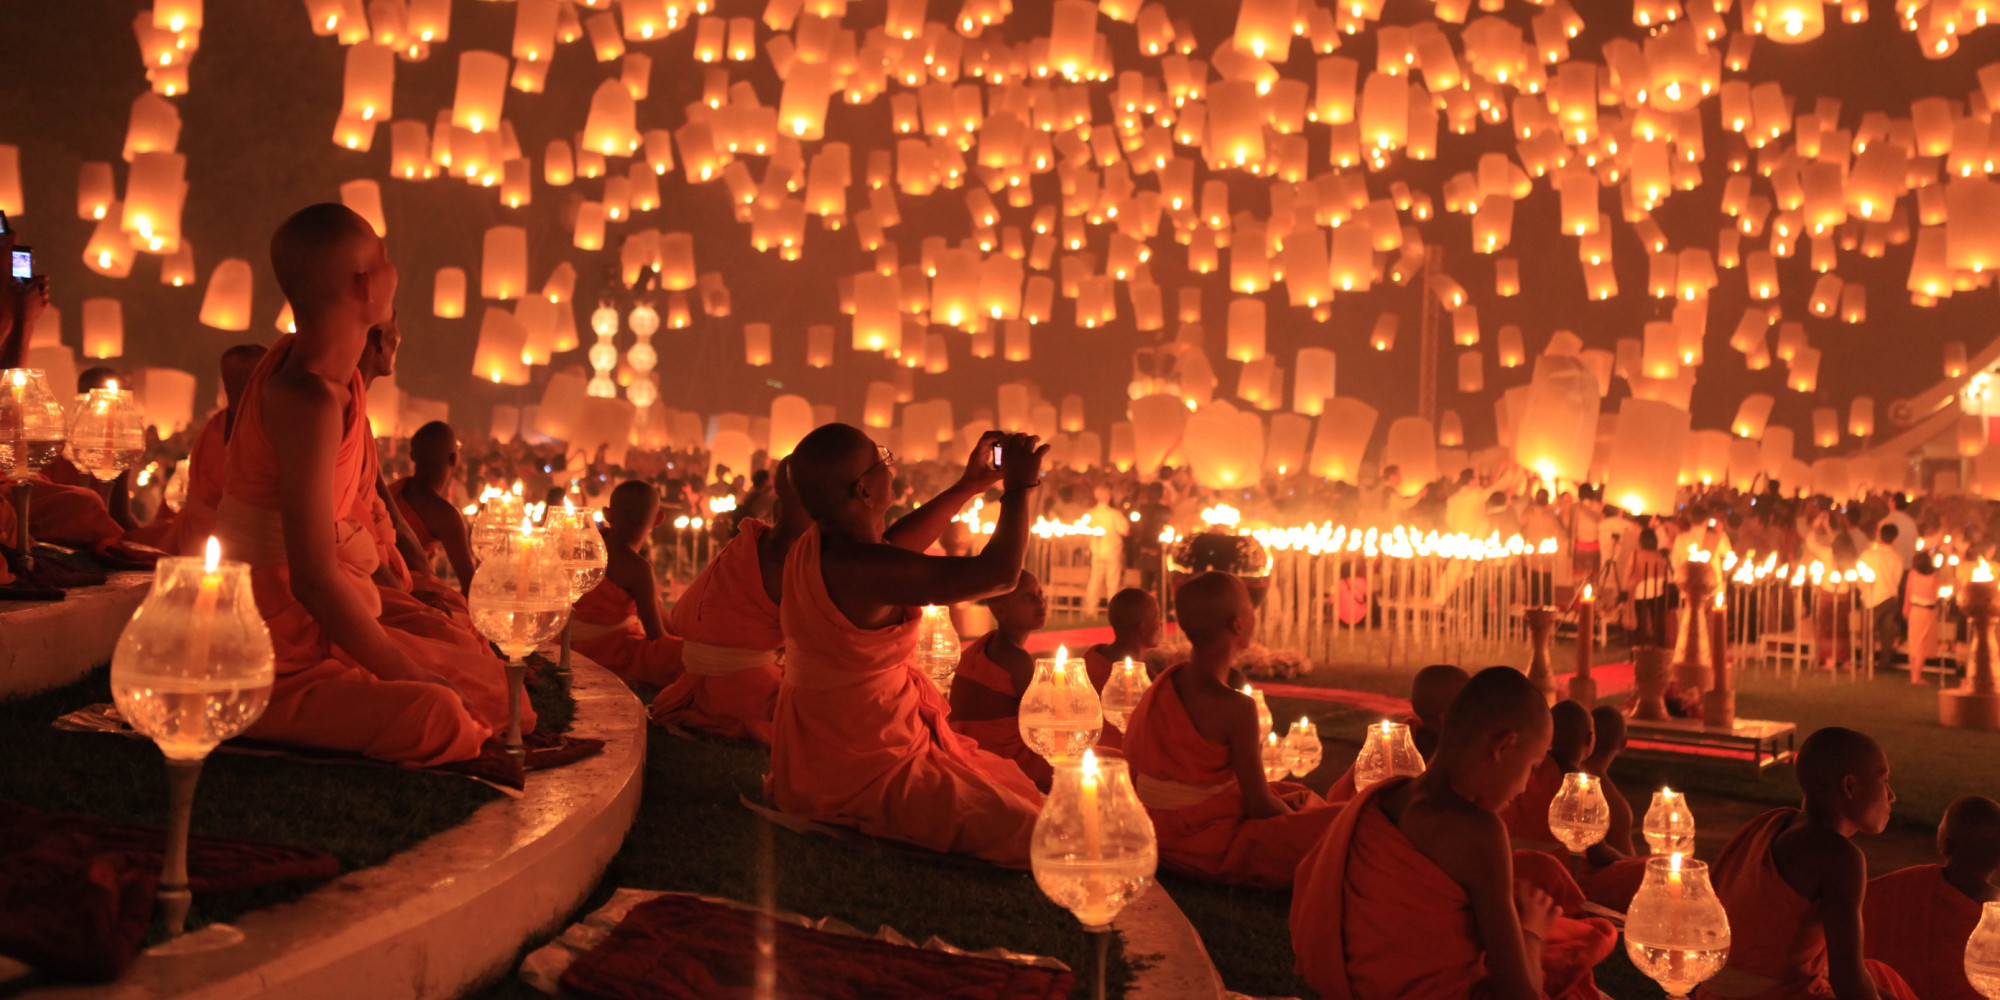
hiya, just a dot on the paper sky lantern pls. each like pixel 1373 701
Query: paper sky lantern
pixel 1312 381
pixel 154 192
pixel 1556 431
pixel 609 129
pixel 1972 227
pixel 1751 415
pixel 166 397
pixel 1224 447
pixel 503 268
pixel 819 345
pixel 365 198
pixel 369 83
pixel 1826 427
pixel 497 357
pixel 562 403
pixel 154 127
pixel 177 268
pixel 1158 422
pixel 757 343
pixel 1803 375
pixel 1646 455
pixel 482 86
pixel 448 293
pixel 108 251
pixel 1861 417
pixel 1411 449
pixel 1341 439
pixel 879 407
pixel 1017 345
pixel 1451 432
pixel 1954 358
pixel 1471 371
pixel 791 421
pixel 226 304
pixel 103 328
pixel 1774 454
pixel 1383 337
pixel 1246 329
pixel 96 190
pixel 1710 449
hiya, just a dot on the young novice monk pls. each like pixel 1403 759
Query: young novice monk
pixel 1917 919
pixel 1430 692
pixel 620 623
pixel 993 672
pixel 1197 760
pixel 1135 628
pixel 424 496
pixel 1610 875
pixel 728 623
pixel 1793 881
pixel 1413 893
pixel 208 460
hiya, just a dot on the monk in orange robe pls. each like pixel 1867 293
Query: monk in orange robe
pixel 860 737
pixel 620 622
pixel 1430 692
pixel 424 500
pixel 994 671
pixel 1793 882
pixel 1611 874
pixel 728 622
pixel 1136 627
pixel 208 459
pixel 1197 759
pixel 1414 893
pixel 1917 919
pixel 297 457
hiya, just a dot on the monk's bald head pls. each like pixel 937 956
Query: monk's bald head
pixel 1134 613
pixel 1210 607
pixel 1832 754
pixel 327 257
pixel 434 444
pixel 1574 734
pixel 1969 837
pixel 1609 724
pixel 633 503
pixel 1494 700
pixel 825 466
pixel 1433 690
pixel 238 364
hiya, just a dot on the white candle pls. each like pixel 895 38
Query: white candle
pixel 1093 826
pixel 200 628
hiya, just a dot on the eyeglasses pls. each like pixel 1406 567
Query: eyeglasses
pixel 883 457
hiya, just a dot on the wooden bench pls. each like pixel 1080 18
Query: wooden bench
pixel 1759 743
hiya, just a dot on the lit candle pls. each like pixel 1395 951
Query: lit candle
pixel 1586 632
pixel 1093 824
pixel 1674 874
pixel 199 637
pixel 522 559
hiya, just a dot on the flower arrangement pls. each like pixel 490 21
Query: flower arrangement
pixel 1257 661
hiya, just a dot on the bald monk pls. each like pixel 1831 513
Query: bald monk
pixel 620 623
pixel 1793 882
pixel 292 508
pixel 1413 893
pixel 1611 874
pixel 1430 692
pixel 208 459
pixel 994 671
pixel 1917 919
pixel 728 622
pixel 424 497
pixel 1136 627
pixel 860 737
pixel 1197 759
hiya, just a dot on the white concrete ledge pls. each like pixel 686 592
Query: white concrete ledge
pixel 1158 935
pixel 45 644
pixel 446 915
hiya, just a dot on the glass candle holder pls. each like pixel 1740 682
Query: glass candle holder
pixel 1669 824
pixel 31 422
pixel 1303 750
pixel 1579 815
pixel 107 433
pixel 519 600
pixel 1093 849
pixel 575 542
pixel 1386 752
pixel 1676 931
pixel 1982 953
pixel 1060 713
pixel 937 647
pixel 499 517
pixel 1265 721
pixel 1276 765
pixel 1123 689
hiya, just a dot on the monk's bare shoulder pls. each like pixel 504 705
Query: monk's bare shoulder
pixel 296 398
pixel 1462 839
pixel 1810 857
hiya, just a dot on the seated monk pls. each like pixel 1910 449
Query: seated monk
pixel 993 672
pixel 1135 628
pixel 292 508
pixel 67 507
pixel 860 737
pixel 620 622
pixel 1414 894
pixel 1197 760
pixel 424 498
pixel 1615 868
pixel 728 622
pixel 1917 919
pixel 1793 883
pixel 1611 874
pixel 208 458
pixel 1430 692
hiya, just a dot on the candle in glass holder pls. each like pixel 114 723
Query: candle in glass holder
pixel 1276 766
pixel 1579 815
pixel 1265 721
pixel 1060 714
pixel 1386 752
pixel 107 435
pixel 1982 953
pixel 194 667
pixel 1123 689
pixel 1669 824
pixel 1093 849
pixel 1676 931
pixel 937 647
pixel 1303 750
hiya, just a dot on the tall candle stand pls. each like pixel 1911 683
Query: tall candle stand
pixel 1976 704
pixel 1541 624
pixel 1697 584
pixel 1582 686
pixel 1718 703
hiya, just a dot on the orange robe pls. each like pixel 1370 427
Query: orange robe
pixel 1002 735
pixel 1372 917
pixel 74 516
pixel 207 472
pixel 605 627
pixel 1099 667
pixel 418 602
pixel 1916 924
pixel 1197 807
pixel 1527 817
pixel 731 640
pixel 860 737
pixel 323 697
pixel 429 544
pixel 1777 947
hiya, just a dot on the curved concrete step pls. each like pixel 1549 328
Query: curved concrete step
pixel 45 644
pixel 450 913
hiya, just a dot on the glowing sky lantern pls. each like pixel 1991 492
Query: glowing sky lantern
pixel 365 198
pixel 1158 423
pixel 154 127
pixel 1646 455
pixel 503 268
pixel 226 303
pixel 1312 381
pixel 1246 329
pixel 448 293
pixel 103 328
pixel 369 85
pixel 154 192
pixel 1972 229
pixel 497 356
pixel 482 86
pixel 1556 431
pixel 1791 21
pixel 1224 447
pixel 1411 448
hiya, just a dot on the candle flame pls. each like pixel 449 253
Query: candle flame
pixel 1674 861
pixel 527 527
pixel 1249 691
pixel 212 555
pixel 1983 573
pixel 111 384
pixel 1589 593
pixel 1090 764
pixel 1062 657
pixel 1718 600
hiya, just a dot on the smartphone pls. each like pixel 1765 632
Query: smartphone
pixel 5 226
pixel 24 263
pixel 996 456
